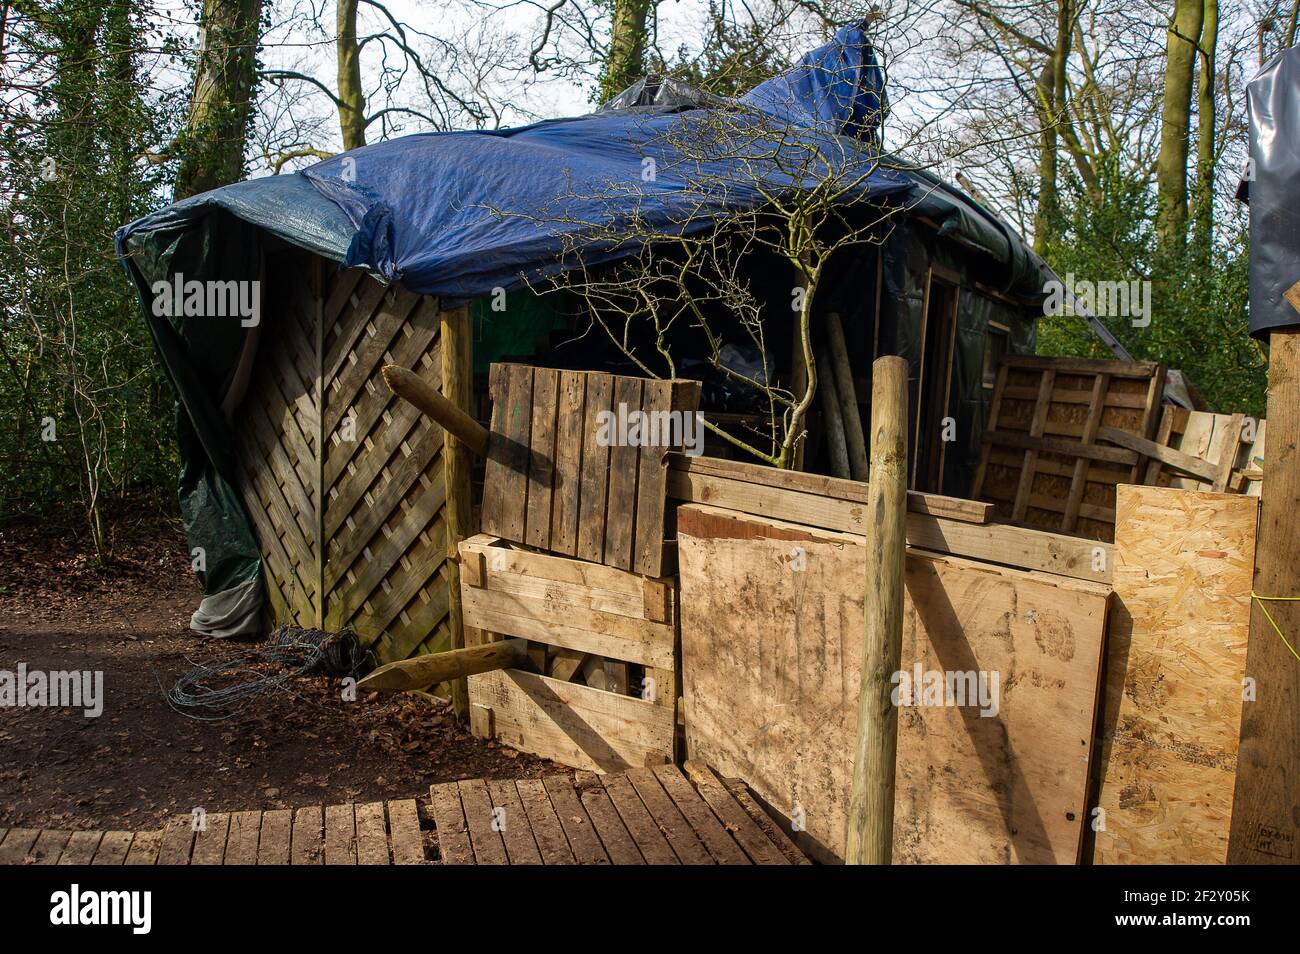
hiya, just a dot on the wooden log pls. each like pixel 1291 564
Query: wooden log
pixel 1266 802
pixel 847 397
pixel 457 387
pixel 413 389
pixel 871 804
pixel 422 671
pixel 833 421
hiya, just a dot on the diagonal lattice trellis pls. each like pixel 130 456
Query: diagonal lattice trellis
pixel 343 481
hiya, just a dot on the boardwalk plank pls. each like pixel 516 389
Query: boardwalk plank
pixel 308 844
pixel 578 827
pixel 449 820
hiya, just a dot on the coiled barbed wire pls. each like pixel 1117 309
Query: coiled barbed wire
pixel 293 652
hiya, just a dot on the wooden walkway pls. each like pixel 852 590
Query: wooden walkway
pixel 646 816
pixel 370 833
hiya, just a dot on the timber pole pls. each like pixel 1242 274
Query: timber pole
pixel 420 672
pixel 1266 803
pixel 846 394
pixel 413 389
pixel 457 389
pixel 871 804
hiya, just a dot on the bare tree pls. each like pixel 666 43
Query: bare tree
pixel 748 187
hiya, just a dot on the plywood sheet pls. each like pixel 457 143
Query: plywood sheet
pixel 1176 658
pixel 772 623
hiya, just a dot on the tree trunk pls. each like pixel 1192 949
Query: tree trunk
pixel 1205 145
pixel 221 103
pixel 1053 93
pixel 352 102
pixel 626 61
pixel 1183 36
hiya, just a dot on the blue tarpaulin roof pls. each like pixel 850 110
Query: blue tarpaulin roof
pixel 459 213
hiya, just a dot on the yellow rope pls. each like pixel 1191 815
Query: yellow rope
pixel 1269 616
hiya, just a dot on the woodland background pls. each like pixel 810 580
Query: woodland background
pixel 1111 132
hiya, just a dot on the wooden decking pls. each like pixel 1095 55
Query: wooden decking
pixel 646 816
pixel 370 833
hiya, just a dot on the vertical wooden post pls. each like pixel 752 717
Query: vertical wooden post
pixel 457 387
pixel 871 805
pixel 1266 803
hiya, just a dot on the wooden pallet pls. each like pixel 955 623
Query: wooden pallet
pixel 603 691
pixel 550 483
pixel 657 816
pixel 1226 452
pixel 344 482
pixel 366 833
pixel 1044 462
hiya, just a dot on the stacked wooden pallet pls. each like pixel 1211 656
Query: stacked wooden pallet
pixel 601 692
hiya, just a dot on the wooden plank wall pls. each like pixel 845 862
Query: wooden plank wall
pixel 343 481
pixel 772 621
pixel 1175 661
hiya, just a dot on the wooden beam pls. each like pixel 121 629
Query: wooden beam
pixel 413 389
pixel 1160 452
pixel 952 508
pixel 871 804
pixel 1022 547
pixel 1266 803
pixel 456 344
pixel 422 671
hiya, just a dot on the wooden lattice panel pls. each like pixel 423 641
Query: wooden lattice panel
pixel 385 542
pixel 551 483
pixel 278 440
pixel 353 536
pixel 1043 464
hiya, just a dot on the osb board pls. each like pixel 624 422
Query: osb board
pixel 559 478
pixel 771 661
pixel 575 725
pixel 1041 464
pixel 1176 658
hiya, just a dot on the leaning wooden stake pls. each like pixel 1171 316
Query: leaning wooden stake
pixel 412 388
pixel 846 394
pixel 871 805
pixel 420 672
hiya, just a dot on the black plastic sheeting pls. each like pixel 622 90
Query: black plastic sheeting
pixel 1273 98
pixel 908 254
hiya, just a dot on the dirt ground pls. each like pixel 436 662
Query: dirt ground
pixel 141 760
